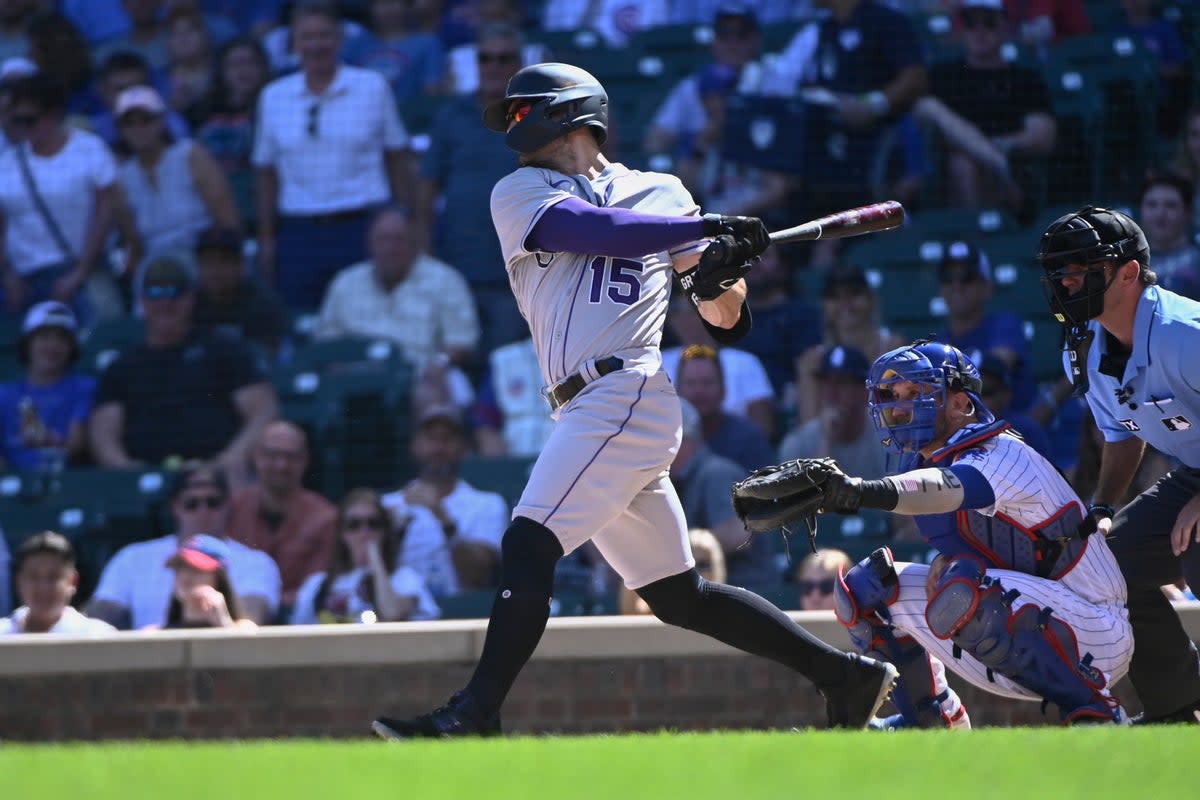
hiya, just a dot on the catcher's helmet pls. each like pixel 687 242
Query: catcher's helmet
pixel 1090 237
pixel 935 368
pixel 560 98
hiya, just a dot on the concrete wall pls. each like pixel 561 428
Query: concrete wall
pixel 589 674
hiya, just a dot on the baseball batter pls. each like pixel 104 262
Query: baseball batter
pixel 591 248
pixel 1022 600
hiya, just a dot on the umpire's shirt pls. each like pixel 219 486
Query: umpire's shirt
pixel 1156 395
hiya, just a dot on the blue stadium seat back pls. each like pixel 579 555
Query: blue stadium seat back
pixel 102 345
pixel 471 604
pixel 583 48
pixel 1016 276
pixel 112 493
pixel 326 355
pixel 910 294
pixel 961 223
pixel 505 475
pixel 1045 336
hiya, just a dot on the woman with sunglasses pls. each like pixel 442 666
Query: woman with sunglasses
pixel 203 595
pixel 362 583
pixel 816 576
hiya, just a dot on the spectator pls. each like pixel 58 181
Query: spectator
pixel 1187 158
pixel 175 189
pixel 226 118
pixel 280 42
pixel 238 16
pixel 511 416
pixel 614 20
pixel 136 585
pixel 46 580
pixel 101 20
pixel 784 325
pixel 180 394
pixel 463 62
pixel 1158 35
pixel 203 595
pixel 43 416
pixel 850 318
pixel 15 16
pixel 747 388
pixel 6 591
pixel 710 563
pixel 413 62
pixel 58 199
pixel 464 161
pixel 11 70
pixel 702 479
pixel 965 283
pixel 291 524
pixel 1042 23
pixel 997 396
pixel 702 383
pixel 1165 215
pixel 402 295
pixel 988 111
pixel 461 549
pixel 61 53
pixel 362 582
pixel 700 12
pixel 230 301
pixel 146 36
pixel 329 148
pixel 120 71
pixel 190 62
pixel 816 576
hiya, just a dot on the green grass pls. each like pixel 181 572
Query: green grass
pixel 1012 764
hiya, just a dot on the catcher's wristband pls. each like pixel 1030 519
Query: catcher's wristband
pixel 1102 511
pixel 881 494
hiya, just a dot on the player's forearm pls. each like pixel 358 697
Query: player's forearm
pixel 724 311
pixel 579 227
pixel 932 490
pixel 1119 462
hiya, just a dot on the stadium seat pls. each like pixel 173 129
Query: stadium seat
pixel 1046 336
pixel 909 295
pixel 505 475
pixel 107 340
pixel 127 502
pixel 467 605
pixel 325 355
pixel 961 223
pixel 1016 274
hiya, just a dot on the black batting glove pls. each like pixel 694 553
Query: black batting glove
pixel 750 230
pixel 722 264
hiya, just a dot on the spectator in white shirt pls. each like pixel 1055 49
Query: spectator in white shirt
pixel 454 530
pixel 511 417
pixel 58 199
pixel 329 148
pixel 402 295
pixel 136 586
pixel 615 20
pixel 46 582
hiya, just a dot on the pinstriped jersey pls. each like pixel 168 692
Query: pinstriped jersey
pixel 1031 496
pixel 582 306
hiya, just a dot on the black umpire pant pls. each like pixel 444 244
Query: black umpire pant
pixel 1166 667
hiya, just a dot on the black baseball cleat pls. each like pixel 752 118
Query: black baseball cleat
pixel 461 716
pixel 853 702
pixel 1188 715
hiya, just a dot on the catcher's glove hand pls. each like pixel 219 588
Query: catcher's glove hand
pixel 775 497
pixel 748 230
pixel 722 264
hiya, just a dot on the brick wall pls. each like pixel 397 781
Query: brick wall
pixel 590 675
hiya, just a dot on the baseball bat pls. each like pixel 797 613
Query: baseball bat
pixel 851 222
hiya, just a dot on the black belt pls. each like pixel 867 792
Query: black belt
pixel 562 392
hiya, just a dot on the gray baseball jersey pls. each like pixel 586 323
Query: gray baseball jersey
pixel 603 474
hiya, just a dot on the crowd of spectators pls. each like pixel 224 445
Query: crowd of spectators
pixel 241 179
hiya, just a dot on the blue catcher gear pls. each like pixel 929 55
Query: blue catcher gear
pixel 908 418
pixel 1031 646
pixel 861 597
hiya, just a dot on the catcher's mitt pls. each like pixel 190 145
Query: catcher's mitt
pixel 776 497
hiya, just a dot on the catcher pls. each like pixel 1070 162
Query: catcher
pixel 1021 601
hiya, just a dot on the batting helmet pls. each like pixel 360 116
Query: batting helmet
pixel 1090 237
pixel 559 98
pixel 936 369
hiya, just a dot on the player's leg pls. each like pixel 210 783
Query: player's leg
pixel 1166 668
pixel 649 548
pixel 922 696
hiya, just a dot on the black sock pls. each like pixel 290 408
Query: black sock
pixel 528 556
pixel 744 620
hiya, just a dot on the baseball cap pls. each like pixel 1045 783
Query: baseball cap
pixel 966 255
pixel 992 5
pixel 166 275
pixel 50 314
pixel 845 276
pixel 844 361
pixel 16 67
pixel 203 552
pixel 219 239
pixel 139 98
pixel 195 476
pixel 441 412
pixel 735 10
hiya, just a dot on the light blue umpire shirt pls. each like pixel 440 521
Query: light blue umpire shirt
pixel 1158 397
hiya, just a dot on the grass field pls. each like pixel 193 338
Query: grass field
pixel 1013 764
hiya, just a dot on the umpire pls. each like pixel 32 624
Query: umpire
pixel 1132 347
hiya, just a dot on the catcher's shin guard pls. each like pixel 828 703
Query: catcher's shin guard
pixel 1031 646
pixel 921 694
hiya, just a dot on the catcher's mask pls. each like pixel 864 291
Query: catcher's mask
pixel 1086 242
pixel 546 101
pixel 907 387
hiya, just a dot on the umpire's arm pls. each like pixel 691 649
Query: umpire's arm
pixel 1119 462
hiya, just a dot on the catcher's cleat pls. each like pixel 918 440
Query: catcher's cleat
pixel 853 702
pixel 461 716
pixel 898 722
pixel 1189 715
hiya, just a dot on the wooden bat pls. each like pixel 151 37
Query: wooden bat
pixel 852 222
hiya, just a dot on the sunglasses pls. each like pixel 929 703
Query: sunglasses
pixel 313 128
pixel 496 58
pixel 823 586
pixel 210 501
pixel 162 292
pixel 358 523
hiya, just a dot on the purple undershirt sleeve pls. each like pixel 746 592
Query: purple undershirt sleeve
pixel 579 227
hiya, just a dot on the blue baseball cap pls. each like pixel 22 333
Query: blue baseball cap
pixel 203 552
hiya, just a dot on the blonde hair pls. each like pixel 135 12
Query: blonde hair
pixel 827 559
